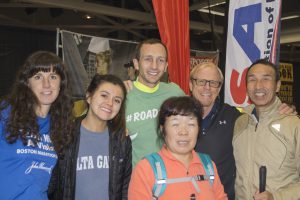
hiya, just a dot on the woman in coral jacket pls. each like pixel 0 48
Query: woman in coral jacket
pixel 179 125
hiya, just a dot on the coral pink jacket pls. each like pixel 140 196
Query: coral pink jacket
pixel 142 180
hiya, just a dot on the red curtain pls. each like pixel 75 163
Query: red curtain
pixel 172 17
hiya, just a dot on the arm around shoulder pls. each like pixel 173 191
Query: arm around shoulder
pixel 292 190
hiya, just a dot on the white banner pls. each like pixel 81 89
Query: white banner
pixel 253 33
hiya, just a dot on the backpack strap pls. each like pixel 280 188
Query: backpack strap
pixel 208 166
pixel 160 174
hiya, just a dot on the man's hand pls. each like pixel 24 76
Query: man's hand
pixel 263 196
pixel 287 109
pixel 128 84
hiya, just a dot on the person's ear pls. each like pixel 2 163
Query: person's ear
pixel 278 86
pixel 219 89
pixel 88 98
pixel 136 64
pixel 191 86
pixel 166 67
pixel 161 129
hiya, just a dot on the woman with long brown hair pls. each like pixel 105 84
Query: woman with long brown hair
pixel 35 126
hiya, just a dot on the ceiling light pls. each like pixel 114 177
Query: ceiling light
pixel 211 11
pixel 217 4
pixel 289 17
pixel 88 16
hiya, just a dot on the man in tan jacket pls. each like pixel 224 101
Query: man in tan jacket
pixel 263 137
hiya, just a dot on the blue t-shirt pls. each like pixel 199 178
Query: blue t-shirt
pixel 92 170
pixel 25 170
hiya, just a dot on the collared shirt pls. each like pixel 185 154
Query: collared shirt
pixel 207 121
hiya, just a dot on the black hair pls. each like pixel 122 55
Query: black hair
pixel 183 105
pixel 266 62
pixel 118 123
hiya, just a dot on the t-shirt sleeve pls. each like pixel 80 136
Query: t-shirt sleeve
pixel 177 89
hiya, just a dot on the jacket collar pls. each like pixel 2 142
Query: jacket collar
pixel 269 112
pixel 167 154
pixel 206 122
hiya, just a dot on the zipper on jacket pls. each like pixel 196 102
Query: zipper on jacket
pixel 255 120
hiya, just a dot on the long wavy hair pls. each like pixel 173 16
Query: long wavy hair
pixel 22 103
pixel 118 123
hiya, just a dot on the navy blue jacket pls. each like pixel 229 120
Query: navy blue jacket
pixel 216 140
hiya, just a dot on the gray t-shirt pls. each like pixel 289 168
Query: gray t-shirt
pixel 92 171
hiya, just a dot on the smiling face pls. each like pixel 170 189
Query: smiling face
pixel 180 134
pixel 151 64
pixel 46 87
pixel 105 102
pixel 205 94
pixel 262 85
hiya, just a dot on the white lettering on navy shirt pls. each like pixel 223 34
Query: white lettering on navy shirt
pixel 90 162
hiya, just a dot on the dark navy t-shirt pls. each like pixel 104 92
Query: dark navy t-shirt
pixel 92 171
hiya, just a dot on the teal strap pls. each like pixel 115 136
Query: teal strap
pixel 208 167
pixel 160 173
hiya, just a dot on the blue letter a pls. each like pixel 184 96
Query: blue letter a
pixel 247 16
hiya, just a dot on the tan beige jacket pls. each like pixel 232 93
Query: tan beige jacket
pixel 273 141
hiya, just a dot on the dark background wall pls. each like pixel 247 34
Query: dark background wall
pixel 296 85
pixel 15 45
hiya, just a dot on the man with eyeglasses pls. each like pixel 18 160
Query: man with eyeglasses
pixel 146 96
pixel 219 118
pixel 218 122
